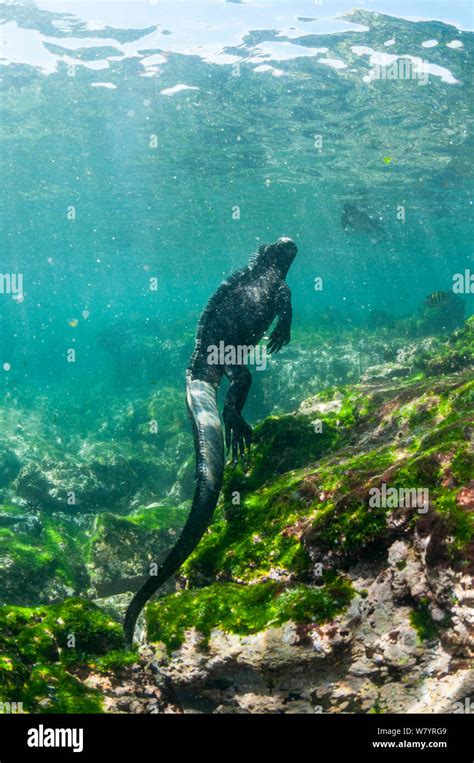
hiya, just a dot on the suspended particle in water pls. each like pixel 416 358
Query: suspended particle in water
pixel 73 323
pixel 6 367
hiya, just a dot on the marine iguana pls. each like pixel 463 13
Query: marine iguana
pixel 238 314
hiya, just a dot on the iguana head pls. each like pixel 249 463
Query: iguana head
pixel 281 254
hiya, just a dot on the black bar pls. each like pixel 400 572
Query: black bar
pixel 138 738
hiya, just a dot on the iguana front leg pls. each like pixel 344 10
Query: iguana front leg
pixel 281 334
pixel 237 432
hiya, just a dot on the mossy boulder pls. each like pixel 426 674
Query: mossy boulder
pixel 42 557
pixel 122 548
pixel 244 609
pixel 302 510
pixel 44 650
pixel 455 355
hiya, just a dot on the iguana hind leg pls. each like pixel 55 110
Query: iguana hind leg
pixel 238 433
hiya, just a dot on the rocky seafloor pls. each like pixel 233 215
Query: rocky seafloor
pixel 304 595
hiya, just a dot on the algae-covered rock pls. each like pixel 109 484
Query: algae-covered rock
pixel 338 569
pixel 44 650
pixel 123 548
pixel 41 556
pixel 128 458
pixel 45 557
pixel 454 355
pixel 336 576
pixel 386 372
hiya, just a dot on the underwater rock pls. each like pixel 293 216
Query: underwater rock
pixel 10 465
pixel 304 596
pixel 122 548
pixel 46 653
pixel 385 372
pixel 380 319
pixel 309 366
pixel 103 475
pixel 40 559
pixel 452 356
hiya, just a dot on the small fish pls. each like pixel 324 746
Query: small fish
pixel 73 322
pixel 387 159
pixel 438 299
pixel 356 220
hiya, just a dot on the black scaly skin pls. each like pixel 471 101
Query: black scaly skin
pixel 240 312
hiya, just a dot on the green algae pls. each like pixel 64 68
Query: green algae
pixel 281 444
pixel 423 623
pixel 42 649
pixel 288 442
pixel 246 541
pixel 350 529
pixel 243 609
pixel 454 355
pixel 462 466
pixel 459 523
pixel 159 517
pixel 257 530
pixel 156 518
pixel 53 551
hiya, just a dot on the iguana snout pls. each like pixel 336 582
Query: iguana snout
pixel 281 254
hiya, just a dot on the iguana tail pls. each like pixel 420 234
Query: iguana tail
pixel 209 446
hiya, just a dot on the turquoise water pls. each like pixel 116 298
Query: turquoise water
pixel 150 123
